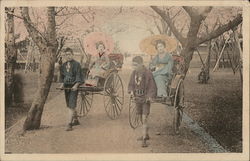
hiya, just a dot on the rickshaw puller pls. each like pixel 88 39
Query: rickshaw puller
pixel 71 78
pixel 142 88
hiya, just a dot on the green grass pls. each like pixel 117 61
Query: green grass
pixel 217 106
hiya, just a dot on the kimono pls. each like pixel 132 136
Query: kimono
pixel 100 66
pixel 143 86
pixel 163 73
pixel 70 75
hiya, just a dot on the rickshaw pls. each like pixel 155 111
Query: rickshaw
pixel 112 90
pixel 175 90
pixel 110 86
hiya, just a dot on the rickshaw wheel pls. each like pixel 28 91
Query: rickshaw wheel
pixel 113 95
pixel 178 106
pixel 84 103
pixel 134 119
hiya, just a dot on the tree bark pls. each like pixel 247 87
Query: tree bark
pixel 208 59
pixel 190 45
pixel 48 48
pixel 11 56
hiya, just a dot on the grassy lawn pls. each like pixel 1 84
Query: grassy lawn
pixel 217 106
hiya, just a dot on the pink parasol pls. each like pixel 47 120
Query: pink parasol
pixel 93 38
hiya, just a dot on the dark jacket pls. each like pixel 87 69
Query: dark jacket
pixel 71 73
pixel 142 80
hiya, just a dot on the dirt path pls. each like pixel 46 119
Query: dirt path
pixel 98 134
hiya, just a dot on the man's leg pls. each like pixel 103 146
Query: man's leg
pixel 145 127
pixel 72 104
pixel 139 113
pixel 75 120
pixel 70 114
pixel 145 136
pixel 145 114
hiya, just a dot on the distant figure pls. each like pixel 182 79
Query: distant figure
pixel 71 78
pixel 18 88
pixel 203 76
pixel 162 65
pixel 142 88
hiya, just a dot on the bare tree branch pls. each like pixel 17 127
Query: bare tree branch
pixel 158 27
pixel 10 13
pixel 206 12
pixel 176 14
pixel 220 30
pixel 63 21
pixel 67 12
pixel 37 37
pixel 185 24
pixel 151 15
pixel 60 44
pixel 170 24
pixel 60 10
pixel 214 26
pixel 194 14
pixel 189 10
pixel 81 14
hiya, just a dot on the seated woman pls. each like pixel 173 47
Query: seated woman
pixel 163 64
pixel 100 66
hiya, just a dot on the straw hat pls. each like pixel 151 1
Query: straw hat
pixel 147 45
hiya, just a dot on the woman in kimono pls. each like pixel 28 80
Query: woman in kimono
pixel 100 66
pixel 163 64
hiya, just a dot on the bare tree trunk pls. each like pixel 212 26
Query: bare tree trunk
pixel 11 55
pixel 33 119
pixel 187 53
pixel 48 50
pixel 208 59
pixel 203 76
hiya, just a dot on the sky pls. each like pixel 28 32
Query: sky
pixel 129 40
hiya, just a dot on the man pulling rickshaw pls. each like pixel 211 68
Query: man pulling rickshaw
pixel 169 82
